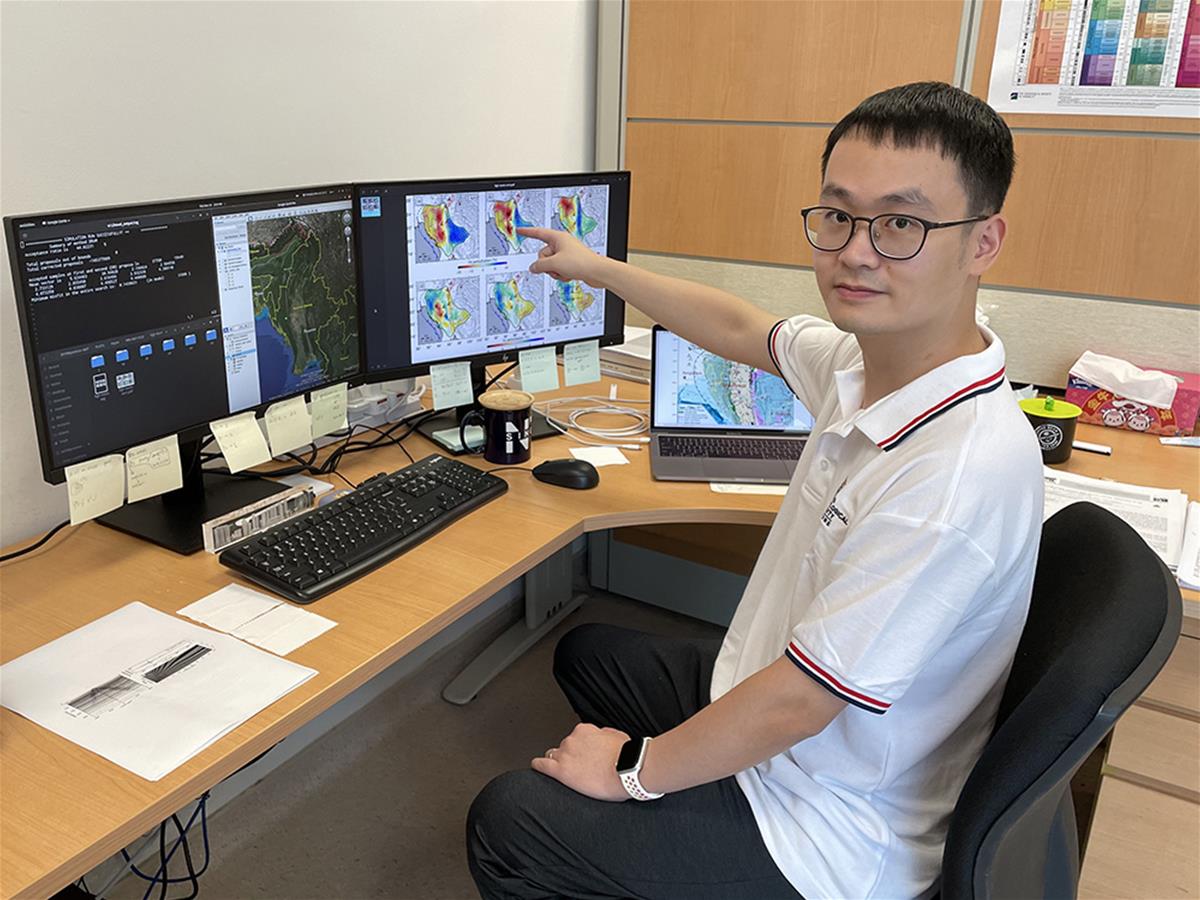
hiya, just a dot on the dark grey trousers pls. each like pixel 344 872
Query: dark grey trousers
pixel 530 837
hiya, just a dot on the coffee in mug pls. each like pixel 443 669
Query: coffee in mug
pixel 506 417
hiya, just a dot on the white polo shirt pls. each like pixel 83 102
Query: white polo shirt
pixel 897 575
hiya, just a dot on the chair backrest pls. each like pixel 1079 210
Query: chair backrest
pixel 1104 617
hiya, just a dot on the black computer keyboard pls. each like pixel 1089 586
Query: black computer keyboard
pixel 713 447
pixel 330 546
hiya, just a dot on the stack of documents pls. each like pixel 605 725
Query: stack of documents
pixel 144 689
pixel 630 360
pixel 255 617
pixel 1164 518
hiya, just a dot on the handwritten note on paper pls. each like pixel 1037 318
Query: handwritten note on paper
pixel 450 384
pixel 328 410
pixel 95 487
pixel 539 371
pixel 241 441
pixel 581 362
pixel 288 425
pixel 152 469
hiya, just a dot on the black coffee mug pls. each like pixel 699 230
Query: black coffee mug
pixel 506 423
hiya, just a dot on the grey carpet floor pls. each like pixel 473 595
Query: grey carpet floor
pixel 377 807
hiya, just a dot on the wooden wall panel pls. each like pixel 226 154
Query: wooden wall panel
pixel 727 191
pixel 792 61
pixel 1115 216
pixel 1109 216
pixel 986 47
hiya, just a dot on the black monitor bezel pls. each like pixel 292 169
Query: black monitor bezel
pixel 612 334
pixel 53 474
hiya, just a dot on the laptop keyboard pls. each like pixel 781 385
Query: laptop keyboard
pixel 713 447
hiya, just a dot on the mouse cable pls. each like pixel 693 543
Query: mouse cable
pixel 508 469
pixel 604 437
pixel 42 540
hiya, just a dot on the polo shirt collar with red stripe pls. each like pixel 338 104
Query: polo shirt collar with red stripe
pixel 894 418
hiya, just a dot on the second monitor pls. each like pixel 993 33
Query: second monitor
pixel 445 276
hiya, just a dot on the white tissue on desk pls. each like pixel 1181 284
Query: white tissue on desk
pixel 1124 379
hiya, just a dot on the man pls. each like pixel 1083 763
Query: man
pixel 860 677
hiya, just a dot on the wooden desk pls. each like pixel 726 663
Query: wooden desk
pixel 1156 750
pixel 65 810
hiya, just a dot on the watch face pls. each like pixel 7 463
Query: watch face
pixel 631 751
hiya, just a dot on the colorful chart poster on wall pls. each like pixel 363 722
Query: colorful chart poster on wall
pixel 1098 57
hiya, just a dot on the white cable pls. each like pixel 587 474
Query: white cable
pixel 620 436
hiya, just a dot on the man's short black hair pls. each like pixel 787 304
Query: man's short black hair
pixel 938 115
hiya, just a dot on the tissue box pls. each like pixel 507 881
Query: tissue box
pixel 1103 407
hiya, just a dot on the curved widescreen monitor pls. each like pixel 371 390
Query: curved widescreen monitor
pixel 143 321
pixel 446 277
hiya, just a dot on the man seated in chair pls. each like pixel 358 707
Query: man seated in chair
pixel 820 748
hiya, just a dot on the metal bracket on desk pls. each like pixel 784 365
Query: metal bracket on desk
pixel 549 598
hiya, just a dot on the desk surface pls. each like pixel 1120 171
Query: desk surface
pixel 65 810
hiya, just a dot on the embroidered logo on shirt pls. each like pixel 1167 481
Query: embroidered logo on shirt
pixel 832 511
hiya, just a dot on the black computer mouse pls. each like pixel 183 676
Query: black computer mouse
pixel 568 473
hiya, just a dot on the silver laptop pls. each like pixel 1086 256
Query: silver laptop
pixel 716 420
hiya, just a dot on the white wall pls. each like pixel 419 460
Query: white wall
pixel 105 103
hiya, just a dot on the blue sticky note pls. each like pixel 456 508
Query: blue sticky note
pixel 581 362
pixel 97 362
pixel 168 344
pixel 122 356
pixel 145 350
pixel 189 340
pixel 211 334
pixel 539 370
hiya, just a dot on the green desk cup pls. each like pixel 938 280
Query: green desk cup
pixel 1054 424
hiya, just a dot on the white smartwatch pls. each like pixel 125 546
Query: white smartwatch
pixel 629 765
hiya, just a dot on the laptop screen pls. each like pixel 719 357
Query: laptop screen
pixel 693 388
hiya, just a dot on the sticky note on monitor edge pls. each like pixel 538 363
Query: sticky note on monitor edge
pixel 95 487
pixel 153 468
pixel 581 362
pixel 450 384
pixel 328 408
pixel 241 441
pixel 288 425
pixel 539 370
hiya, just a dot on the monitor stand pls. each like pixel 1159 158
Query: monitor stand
pixel 449 420
pixel 174 520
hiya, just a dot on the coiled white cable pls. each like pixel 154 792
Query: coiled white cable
pixel 623 437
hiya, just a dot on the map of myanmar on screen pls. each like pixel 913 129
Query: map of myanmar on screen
pixel 470 287
pixel 289 306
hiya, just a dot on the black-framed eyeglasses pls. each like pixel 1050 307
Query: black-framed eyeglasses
pixel 893 235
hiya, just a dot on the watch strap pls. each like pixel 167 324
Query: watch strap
pixel 632 783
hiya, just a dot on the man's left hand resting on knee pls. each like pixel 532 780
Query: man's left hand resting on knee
pixel 759 718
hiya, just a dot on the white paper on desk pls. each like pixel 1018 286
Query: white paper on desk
pixel 144 689
pixel 1157 514
pixel 262 620
pixel 600 456
pixel 724 487
pixel 1189 555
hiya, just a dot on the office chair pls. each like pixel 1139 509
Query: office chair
pixel 1104 617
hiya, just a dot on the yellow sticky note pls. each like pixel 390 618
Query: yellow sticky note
pixel 288 425
pixel 539 370
pixel 328 410
pixel 241 441
pixel 152 469
pixel 95 487
pixel 581 362
pixel 451 385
